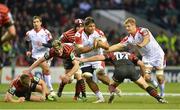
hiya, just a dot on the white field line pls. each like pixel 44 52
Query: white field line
pixel 124 94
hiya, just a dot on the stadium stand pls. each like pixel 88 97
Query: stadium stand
pixel 58 16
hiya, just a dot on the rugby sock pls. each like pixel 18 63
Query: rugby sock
pixel 99 95
pixel 77 88
pixel 47 79
pixel 154 82
pixel 161 87
pixel 153 92
pixel 61 87
pixel 83 88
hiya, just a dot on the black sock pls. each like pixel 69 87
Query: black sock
pixel 61 87
pixel 83 87
pixel 153 92
pixel 77 88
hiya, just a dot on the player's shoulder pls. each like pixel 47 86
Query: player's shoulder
pixel 99 31
pixel 79 32
pixel 3 8
pixel 45 30
pixel 143 31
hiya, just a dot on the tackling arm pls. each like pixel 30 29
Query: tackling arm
pixel 9 98
pixel 115 47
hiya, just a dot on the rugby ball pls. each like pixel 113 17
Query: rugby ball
pixel 87 74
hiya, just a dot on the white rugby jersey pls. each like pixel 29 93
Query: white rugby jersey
pixel 42 36
pixel 89 41
pixel 151 50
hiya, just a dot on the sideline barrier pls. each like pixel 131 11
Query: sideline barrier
pixel 172 74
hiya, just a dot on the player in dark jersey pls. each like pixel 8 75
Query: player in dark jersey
pixel 63 51
pixel 23 86
pixel 69 37
pixel 124 64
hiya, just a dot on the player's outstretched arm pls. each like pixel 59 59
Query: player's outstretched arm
pixel 115 47
pixel 34 65
pixel 93 58
pixel 9 98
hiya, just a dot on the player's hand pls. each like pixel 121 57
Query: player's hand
pixel 79 59
pixel 65 79
pixel 42 98
pixel 21 99
pixel 28 53
pixel 26 72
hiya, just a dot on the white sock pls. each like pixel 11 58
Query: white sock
pixel 154 82
pixel 47 79
pixel 99 95
pixel 161 87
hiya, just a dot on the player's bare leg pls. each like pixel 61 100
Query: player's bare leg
pixel 112 89
pixel 153 92
pixel 161 81
pixel 105 80
pixel 47 76
pixel 80 86
pixel 148 77
pixel 94 87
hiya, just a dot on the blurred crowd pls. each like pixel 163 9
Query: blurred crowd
pixel 58 16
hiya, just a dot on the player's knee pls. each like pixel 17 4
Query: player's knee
pixel 88 79
pixel 147 77
pixel 46 71
pixel 78 75
pixel 160 78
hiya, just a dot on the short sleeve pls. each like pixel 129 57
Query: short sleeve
pixel 49 36
pixel 36 80
pixel 27 37
pixel 12 90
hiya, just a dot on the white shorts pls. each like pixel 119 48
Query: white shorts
pixel 95 65
pixel 157 61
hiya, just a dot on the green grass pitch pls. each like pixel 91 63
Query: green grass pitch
pixel 125 102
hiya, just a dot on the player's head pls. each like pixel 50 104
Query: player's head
pixel 89 25
pixel 37 22
pixel 57 46
pixel 25 80
pixel 130 25
pixel 78 24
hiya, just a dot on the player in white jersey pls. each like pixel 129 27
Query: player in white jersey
pixel 152 54
pixel 40 39
pixel 88 38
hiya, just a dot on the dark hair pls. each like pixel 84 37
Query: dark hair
pixel 23 77
pixel 37 17
pixel 88 20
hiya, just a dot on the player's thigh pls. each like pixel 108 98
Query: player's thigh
pixel 35 98
pixel 141 83
pixel 45 67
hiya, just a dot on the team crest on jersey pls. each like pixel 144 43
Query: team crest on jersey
pixel 72 56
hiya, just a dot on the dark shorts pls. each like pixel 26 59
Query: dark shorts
pixel 125 72
pixel 88 69
pixel 26 93
pixel 67 64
